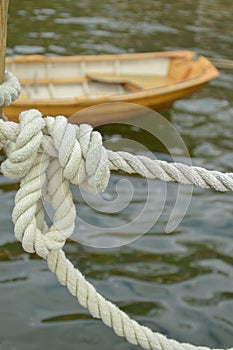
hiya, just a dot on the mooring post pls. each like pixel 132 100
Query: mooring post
pixel 3 33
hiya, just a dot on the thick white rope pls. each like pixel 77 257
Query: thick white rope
pixel 47 155
pixel 9 90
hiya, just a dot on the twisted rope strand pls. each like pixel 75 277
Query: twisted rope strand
pixel 9 90
pixel 47 155
pixel 110 314
pixel 164 171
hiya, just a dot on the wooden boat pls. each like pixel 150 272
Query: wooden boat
pixel 66 85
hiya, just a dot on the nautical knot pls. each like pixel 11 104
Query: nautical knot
pixel 48 155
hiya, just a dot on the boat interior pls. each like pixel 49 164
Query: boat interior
pixel 61 79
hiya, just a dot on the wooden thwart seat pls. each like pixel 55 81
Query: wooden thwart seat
pixel 139 82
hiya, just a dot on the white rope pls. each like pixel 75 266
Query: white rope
pixel 47 155
pixel 181 173
pixel 9 90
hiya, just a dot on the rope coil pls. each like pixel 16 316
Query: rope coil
pixel 48 155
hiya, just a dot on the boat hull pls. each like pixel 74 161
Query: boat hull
pixel 185 74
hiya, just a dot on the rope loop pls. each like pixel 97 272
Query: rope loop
pixel 47 155
pixel 9 90
pixel 22 152
pixel 80 152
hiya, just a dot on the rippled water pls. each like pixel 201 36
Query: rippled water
pixel 181 283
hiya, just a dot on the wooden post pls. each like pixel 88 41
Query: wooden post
pixel 3 32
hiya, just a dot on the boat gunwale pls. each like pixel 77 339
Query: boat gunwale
pixel 110 57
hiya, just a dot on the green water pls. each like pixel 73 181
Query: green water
pixel 181 283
